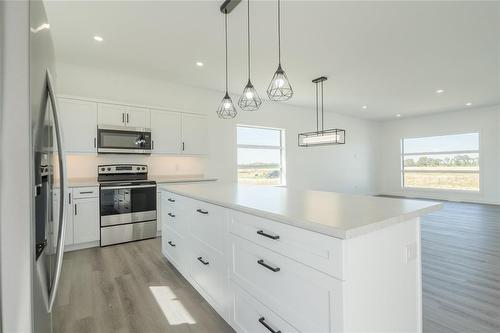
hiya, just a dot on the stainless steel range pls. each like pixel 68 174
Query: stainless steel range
pixel 127 203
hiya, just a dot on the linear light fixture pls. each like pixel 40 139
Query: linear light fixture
pixel 333 136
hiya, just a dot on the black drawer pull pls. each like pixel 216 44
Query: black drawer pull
pixel 200 259
pixel 262 233
pixel 171 200
pixel 87 192
pixel 171 215
pixel 170 243
pixel 201 211
pixel 271 268
pixel 262 320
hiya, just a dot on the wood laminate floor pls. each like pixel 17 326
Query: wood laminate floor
pixel 131 288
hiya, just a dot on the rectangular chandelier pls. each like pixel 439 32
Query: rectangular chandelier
pixel 333 136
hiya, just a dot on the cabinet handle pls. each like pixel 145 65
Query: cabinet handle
pixel 152 144
pixel 262 320
pixel 69 198
pixel 171 244
pixel 127 117
pixel 271 268
pixel 201 211
pixel 262 233
pixel 200 259
pixel 171 200
pixel 87 192
pixel 76 210
pixel 95 142
pixel 171 215
pixel 183 146
pixel 123 117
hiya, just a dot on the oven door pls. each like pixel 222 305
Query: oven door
pixel 124 204
pixel 123 140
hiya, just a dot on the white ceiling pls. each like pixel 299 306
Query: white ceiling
pixel 390 56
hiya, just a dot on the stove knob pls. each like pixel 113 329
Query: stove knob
pixel 102 169
pixel 143 168
pixel 138 168
pixel 109 169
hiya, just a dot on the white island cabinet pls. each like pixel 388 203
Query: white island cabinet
pixel 274 259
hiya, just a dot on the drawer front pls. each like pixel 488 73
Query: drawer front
pixel 174 200
pixel 313 249
pixel 209 271
pixel 174 217
pixel 306 298
pixel 175 248
pixel 207 224
pixel 85 192
pixel 251 316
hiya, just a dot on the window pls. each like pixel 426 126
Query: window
pixel 260 155
pixel 449 162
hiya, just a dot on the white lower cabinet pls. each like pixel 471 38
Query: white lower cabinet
pixel 263 276
pixel 86 220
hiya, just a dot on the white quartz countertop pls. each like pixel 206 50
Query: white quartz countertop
pixel 92 181
pixel 334 214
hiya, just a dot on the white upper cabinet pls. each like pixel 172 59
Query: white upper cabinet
pixel 166 132
pixel 120 115
pixel 79 124
pixel 194 134
pixel 138 117
pixel 111 115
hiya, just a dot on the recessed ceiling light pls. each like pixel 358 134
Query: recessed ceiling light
pixel 439 91
pixel 468 104
pixel 98 38
pixel 398 115
pixel 364 107
pixel 199 64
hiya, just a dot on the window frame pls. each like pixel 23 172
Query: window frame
pixel 281 148
pixel 442 190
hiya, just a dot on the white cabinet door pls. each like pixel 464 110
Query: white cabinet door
pixel 79 123
pixel 194 134
pixel 111 114
pixel 166 132
pixel 86 220
pixel 68 238
pixel 137 117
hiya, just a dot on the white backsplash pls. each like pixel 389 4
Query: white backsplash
pixel 83 166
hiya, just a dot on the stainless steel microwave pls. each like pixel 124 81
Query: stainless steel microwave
pixel 123 140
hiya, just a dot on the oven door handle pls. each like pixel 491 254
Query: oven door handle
pixel 125 187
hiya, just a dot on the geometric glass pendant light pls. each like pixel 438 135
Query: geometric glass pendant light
pixel 249 99
pixel 279 88
pixel 226 108
pixel 333 136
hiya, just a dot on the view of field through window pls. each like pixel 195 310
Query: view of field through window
pixel 260 155
pixel 442 162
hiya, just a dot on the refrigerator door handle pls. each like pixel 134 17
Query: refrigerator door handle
pixel 62 185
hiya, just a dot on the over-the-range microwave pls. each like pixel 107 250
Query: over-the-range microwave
pixel 123 140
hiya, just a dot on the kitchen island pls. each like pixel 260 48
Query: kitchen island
pixel 278 259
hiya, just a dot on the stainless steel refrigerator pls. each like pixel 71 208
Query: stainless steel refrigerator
pixel 49 172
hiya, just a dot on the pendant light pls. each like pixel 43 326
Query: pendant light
pixel 279 88
pixel 249 99
pixel 321 137
pixel 226 108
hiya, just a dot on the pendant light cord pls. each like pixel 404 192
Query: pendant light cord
pixel 248 35
pixel 225 29
pixel 279 33
pixel 322 109
pixel 317 114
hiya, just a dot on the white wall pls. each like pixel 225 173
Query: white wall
pixel 485 120
pixel 348 168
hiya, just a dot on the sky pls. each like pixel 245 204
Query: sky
pixel 456 142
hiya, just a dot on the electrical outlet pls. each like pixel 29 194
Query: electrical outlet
pixel 411 252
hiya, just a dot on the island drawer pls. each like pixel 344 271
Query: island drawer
pixel 176 248
pixel 251 316
pixel 85 192
pixel 174 217
pixel 207 224
pixel 173 200
pixel 310 248
pixel 301 295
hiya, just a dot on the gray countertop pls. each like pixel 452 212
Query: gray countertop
pixel 334 214
pixel 160 179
